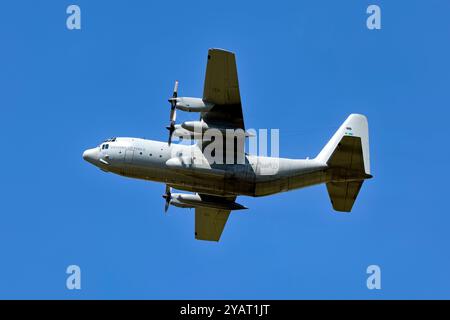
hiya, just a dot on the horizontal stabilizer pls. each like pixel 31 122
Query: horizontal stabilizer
pixel 343 194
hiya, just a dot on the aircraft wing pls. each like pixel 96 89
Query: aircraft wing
pixel 222 89
pixel 209 223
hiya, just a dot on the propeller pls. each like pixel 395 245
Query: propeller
pixel 173 112
pixel 168 197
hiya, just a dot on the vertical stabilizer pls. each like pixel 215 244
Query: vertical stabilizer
pixel 355 126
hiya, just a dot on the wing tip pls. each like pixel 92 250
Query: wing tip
pixel 210 239
pixel 220 50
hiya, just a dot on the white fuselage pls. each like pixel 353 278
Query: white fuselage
pixel 182 167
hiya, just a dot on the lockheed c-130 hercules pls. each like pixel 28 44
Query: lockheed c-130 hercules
pixel 343 164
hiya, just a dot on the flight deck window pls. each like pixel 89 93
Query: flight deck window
pixel 106 146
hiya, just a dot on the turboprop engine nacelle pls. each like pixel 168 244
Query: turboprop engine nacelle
pixel 192 104
pixel 194 126
pixel 186 200
pixel 183 133
pixel 194 129
pixel 197 127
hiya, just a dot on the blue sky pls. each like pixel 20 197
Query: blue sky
pixel 303 67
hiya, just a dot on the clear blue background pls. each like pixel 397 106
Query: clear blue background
pixel 303 67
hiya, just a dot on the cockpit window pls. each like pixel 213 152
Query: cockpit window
pixel 110 140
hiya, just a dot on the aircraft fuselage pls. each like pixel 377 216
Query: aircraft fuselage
pixel 174 165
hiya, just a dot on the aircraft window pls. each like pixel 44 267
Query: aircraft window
pixel 106 146
pixel 103 146
pixel 150 154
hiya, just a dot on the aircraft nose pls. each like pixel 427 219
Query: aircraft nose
pixel 90 155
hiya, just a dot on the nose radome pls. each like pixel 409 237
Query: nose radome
pixel 89 155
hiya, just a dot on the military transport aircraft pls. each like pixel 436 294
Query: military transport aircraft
pixel 343 164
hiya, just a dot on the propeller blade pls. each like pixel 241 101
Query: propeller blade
pixel 171 129
pixel 173 112
pixel 167 196
pixel 175 89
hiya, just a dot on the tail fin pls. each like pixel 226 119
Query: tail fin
pixel 347 156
